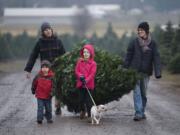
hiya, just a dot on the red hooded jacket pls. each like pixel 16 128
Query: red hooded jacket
pixel 86 68
pixel 43 85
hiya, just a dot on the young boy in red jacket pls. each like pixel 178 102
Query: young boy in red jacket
pixel 85 71
pixel 42 88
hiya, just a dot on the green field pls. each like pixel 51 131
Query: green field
pixel 12 66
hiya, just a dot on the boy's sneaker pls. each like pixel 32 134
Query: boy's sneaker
pixel 58 111
pixel 39 121
pixel 49 121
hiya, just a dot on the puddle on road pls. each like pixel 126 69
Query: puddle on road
pixel 6 84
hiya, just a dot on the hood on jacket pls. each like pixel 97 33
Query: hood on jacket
pixel 90 48
pixel 50 73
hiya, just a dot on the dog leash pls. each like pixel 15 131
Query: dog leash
pixel 90 95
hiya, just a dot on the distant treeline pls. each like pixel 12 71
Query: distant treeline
pixel 19 47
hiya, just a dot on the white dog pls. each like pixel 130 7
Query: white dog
pixel 96 113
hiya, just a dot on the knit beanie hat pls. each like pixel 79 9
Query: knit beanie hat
pixel 144 26
pixel 45 26
pixel 45 63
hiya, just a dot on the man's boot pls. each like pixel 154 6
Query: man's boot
pixel 58 111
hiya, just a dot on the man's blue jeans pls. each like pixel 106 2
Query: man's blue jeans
pixel 140 98
pixel 44 103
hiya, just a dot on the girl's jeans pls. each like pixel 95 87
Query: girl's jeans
pixel 44 103
pixel 139 96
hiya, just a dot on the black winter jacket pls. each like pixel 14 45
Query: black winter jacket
pixel 143 62
pixel 48 49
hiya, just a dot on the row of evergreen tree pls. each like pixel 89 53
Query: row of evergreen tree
pixel 20 46
pixel 169 44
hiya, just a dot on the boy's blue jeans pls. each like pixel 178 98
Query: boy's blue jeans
pixel 44 103
pixel 140 98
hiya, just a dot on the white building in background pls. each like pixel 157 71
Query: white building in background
pixel 55 15
pixel 98 11
pixel 16 20
pixel 38 15
pixel 40 12
pixel 94 10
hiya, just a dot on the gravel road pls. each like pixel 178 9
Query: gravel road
pixel 18 113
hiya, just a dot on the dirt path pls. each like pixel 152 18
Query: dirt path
pixel 18 113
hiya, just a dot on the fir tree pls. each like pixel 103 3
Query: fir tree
pixel 112 81
pixel 176 42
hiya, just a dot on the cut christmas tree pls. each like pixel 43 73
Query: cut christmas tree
pixel 111 83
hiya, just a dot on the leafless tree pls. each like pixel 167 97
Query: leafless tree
pixel 82 22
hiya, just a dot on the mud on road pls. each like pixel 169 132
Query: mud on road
pixel 18 113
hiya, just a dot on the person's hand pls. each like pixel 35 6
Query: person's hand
pixel 82 78
pixel 28 75
pixel 33 91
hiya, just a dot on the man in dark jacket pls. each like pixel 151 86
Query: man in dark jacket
pixel 48 47
pixel 143 56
